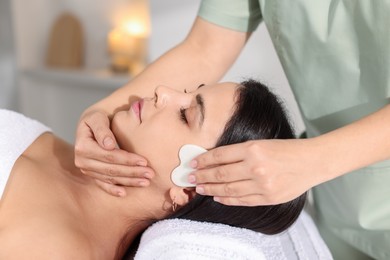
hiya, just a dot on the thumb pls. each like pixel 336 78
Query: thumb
pixel 100 127
pixel 108 142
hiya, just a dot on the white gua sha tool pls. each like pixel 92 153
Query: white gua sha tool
pixel 180 174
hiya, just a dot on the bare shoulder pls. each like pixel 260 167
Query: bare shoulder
pixel 46 144
pixel 32 243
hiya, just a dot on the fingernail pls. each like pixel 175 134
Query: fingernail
pixel 141 163
pixel 120 193
pixel 148 175
pixel 217 199
pixel 107 142
pixel 143 183
pixel 199 190
pixel 193 163
pixel 192 178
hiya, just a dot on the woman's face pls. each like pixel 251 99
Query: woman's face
pixel 158 127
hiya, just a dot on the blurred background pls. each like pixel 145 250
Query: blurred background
pixel 109 42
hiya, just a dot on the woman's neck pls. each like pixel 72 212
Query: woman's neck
pixel 106 220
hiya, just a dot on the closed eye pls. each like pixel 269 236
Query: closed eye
pixel 182 115
pixel 155 97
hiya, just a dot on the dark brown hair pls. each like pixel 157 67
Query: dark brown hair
pixel 259 114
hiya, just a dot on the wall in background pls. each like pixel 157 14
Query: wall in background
pixel 7 57
pixel 171 21
pixel 34 19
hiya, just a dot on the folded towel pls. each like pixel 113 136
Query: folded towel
pixel 17 132
pixel 185 239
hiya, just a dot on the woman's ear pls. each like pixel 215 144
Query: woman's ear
pixel 181 196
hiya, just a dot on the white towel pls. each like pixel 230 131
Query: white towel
pixel 17 132
pixel 184 239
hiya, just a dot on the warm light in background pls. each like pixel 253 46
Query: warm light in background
pixel 137 28
pixel 127 43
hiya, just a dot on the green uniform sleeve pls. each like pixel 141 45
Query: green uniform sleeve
pixel 238 15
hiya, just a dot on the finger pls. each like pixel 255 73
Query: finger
pixel 117 170
pixel 231 189
pixel 122 181
pixel 130 182
pixel 220 155
pixel 223 173
pixel 99 123
pixel 250 200
pixel 117 156
pixel 112 189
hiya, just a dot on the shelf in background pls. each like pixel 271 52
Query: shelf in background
pixel 103 78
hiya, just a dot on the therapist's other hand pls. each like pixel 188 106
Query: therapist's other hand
pixel 263 172
pixel 97 156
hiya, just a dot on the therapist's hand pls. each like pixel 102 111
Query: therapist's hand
pixel 263 172
pixel 97 156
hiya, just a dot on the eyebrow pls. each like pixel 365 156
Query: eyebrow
pixel 200 103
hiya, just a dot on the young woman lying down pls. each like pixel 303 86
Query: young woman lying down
pixel 49 210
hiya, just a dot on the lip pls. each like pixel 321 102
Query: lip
pixel 137 108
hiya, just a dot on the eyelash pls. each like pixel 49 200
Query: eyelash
pixel 182 112
pixel 183 117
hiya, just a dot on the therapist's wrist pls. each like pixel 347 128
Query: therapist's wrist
pixel 328 154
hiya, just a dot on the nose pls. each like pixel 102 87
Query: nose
pixel 165 95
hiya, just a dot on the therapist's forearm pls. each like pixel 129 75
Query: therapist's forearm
pixel 357 145
pixel 203 57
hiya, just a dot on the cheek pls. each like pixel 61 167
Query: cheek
pixel 162 132
pixel 157 139
pixel 121 127
pixel 159 145
pixel 155 134
pixel 162 156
